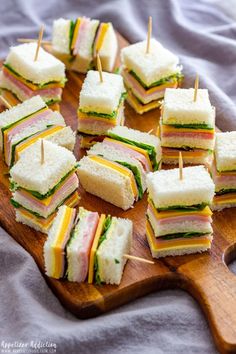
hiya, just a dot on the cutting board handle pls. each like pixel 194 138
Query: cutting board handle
pixel 213 285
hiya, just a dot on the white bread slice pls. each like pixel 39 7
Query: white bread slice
pixel 110 253
pixel 65 138
pixel 181 250
pixel 138 137
pixel 61 36
pixel 84 57
pixel 29 173
pixel 46 68
pixel 108 50
pixel 166 189
pixel 102 97
pixel 113 154
pixel 220 207
pixel 225 151
pixel 105 183
pixel 203 160
pixel 20 111
pixel 179 107
pixel 151 67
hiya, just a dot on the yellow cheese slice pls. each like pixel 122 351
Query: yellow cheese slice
pixel 172 213
pixel 94 247
pixel 45 223
pixel 102 32
pixel 160 245
pixel 84 116
pixel 225 198
pixel 139 108
pixel 32 86
pixel 135 148
pixel 122 170
pixel 73 200
pixel 76 32
pixel 6 132
pixel 66 220
pixel 33 139
pixel 171 129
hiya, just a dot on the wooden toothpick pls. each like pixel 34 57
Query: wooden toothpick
pixel 31 40
pixel 139 259
pixel 196 84
pixel 180 166
pixel 149 34
pixel 99 66
pixel 42 152
pixel 5 102
pixel 39 42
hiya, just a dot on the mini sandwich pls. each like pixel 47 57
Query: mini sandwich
pixel 147 75
pixel 27 122
pixel 77 43
pixel 24 77
pixel 188 126
pixel 101 104
pixel 108 180
pixel 178 219
pixel 146 144
pixel 94 247
pixel 79 246
pixel 109 151
pixel 58 236
pixel 223 171
pixel 112 241
pixel 40 187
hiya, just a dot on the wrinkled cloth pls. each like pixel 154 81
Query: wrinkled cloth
pixel 202 34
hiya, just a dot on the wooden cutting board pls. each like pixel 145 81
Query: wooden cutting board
pixel 205 276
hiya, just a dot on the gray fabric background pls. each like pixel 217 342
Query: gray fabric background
pixel 203 34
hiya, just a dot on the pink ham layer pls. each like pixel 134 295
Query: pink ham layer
pixel 222 177
pixel 181 219
pixel 65 240
pixel 180 134
pixel 57 91
pixel 132 153
pixel 18 128
pixel 60 194
pixel 87 236
pixel 139 90
pixel 82 31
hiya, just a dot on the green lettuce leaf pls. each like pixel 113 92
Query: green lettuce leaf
pixel 183 235
pixel 137 176
pixel 71 33
pixel 196 207
pixel 226 191
pixel 177 77
pixel 191 126
pixel 106 227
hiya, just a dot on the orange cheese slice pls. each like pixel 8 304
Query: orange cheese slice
pixel 76 32
pixel 62 232
pixel 172 129
pixel 132 147
pixel 31 85
pixel 172 213
pixel 102 32
pixel 33 139
pixel 44 223
pixel 94 247
pixel 121 169
pixel 83 116
pixel 225 198
pixel 160 245
pixel 141 108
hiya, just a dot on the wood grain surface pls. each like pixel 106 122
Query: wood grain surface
pixel 205 276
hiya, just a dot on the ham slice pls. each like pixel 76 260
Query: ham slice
pixel 30 202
